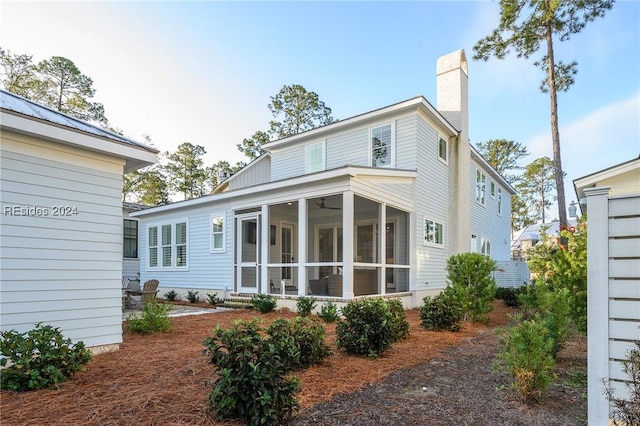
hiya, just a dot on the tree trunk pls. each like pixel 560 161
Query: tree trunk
pixel 555 134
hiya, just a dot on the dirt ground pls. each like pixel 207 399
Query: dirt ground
pixel 429 379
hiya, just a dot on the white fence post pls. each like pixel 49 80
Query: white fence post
pixel 597 303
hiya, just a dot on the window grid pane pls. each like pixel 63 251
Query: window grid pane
pixel 381 146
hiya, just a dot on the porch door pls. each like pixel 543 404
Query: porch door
pixel 248 254
pixel 287 254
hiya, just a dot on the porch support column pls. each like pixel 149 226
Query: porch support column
pixel 264 250
pixel 382 217
pixel 302 246
pixel 347 244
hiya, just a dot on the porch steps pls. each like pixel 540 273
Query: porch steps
pixel 237 301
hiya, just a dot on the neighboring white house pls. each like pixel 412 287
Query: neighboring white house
pixel 611 200
pixel 369 205
pixel 61 229
pixel 131 241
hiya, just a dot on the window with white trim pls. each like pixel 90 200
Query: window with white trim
pixel 492 189
pixel 442 149
pixel 499 201
pixel 217 233
pixel 382 146
pixel 481 186
pixel 433 232
pixel 485 247
pixel 130 239
pixel 153 247
pixel 315 160
pixel 168 246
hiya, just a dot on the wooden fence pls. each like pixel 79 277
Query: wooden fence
pixel 613 263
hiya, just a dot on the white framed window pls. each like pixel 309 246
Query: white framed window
pixel 382 146
pixel 153 247
pixel 442 149
pixel 315 157
pixel 168 245
pixel 217 233
pixel 500 201
pixel 474 243
pixel 492 189
pixel 481 186
pixel 485 247
pixel 433 232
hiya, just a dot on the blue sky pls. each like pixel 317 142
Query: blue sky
pixel 204 72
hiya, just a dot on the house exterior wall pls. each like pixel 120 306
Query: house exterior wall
pixel 486 222
pixel 624 183
pixel 64 270
pixel 258 173
pixel 613 293
pixel 431 202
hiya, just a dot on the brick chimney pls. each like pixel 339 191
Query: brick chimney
pixel 453 103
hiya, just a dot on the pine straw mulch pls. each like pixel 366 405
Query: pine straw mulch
pixel 161 379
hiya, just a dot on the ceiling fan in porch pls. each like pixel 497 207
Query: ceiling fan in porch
pixel 323 206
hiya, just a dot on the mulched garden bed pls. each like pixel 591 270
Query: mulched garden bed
pixel 429 378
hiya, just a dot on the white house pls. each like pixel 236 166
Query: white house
pixel 61 229
pixel 369 205
pixel 611 199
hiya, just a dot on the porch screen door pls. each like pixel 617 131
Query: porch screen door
pixel 248 254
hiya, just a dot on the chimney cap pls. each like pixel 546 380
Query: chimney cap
pixel 452 61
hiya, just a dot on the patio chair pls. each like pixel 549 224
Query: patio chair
pixel 148 292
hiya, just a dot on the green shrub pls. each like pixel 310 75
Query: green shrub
pixel 300 342
pixel 563 264
pixel 252 383
pixel 154 319
pixel 398 319
pixel 626 411
pixel 305 306
pixel 192 296
pixel 263 303
pixel 329 312
pixel 473 284
pixel 510 295
pixel 369 327
pixel 39 358
pixel 213 299
pixel 441 312
pixel 171 296
pixel 526 356
pixel 552 307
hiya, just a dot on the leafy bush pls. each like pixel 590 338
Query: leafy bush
pixel 441 312
pixel 213 299
pixel 369 327
pixel 541 303
pixel 300 342
pixel 40 358
pixel 171 296
pixel 252 383
pixel 563 264
pixel 627 411
pixel 473 284
pixel 510 295
pixel 305 306
pixel 399 322
pixel 263 303
pixel 192 296
pixel 329 312
pixel 154 319
pixel 526 356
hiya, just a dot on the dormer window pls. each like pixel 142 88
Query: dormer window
pixel 315 157
pixel 382 146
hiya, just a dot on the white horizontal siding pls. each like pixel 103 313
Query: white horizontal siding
pixel 287 162
pixel 486 222
pixel 66 270
pixel 255 174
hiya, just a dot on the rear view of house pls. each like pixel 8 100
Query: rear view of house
pixel 61 221
pixel 369 205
